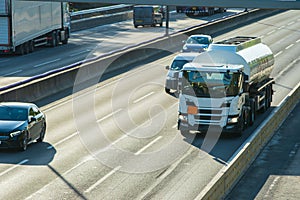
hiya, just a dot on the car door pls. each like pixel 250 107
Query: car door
pixel 35 121
pixel 38 115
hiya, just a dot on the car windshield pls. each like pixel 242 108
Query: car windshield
pixel 206 84
pixel 178 64
pixel 13 114
pixel 198 40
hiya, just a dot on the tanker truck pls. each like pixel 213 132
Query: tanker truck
pixel 226 86
pixel 25 25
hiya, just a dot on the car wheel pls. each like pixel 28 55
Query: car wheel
pixel 24 143
pixel 42 134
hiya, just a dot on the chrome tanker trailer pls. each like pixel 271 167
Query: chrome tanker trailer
pixel 226 86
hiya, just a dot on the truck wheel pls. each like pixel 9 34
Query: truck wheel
pixel 252 113
pixel 26 48
pixel 65 41
pixel 241 125
pixel 53 41
pixel 20 49
pixel 31 46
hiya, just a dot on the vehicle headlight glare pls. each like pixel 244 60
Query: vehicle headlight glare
pixel 15 133
pixel 233 120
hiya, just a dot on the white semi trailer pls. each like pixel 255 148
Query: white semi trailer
pixel 226 86
pixel 25 25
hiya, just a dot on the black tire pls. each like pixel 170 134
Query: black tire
pixel 241 125
pixel 252 113
pixel 24 144
pixel 42 134
pixel 53 41
pixel 26 48
pixel 31 46
pixel 65 41
pixel 161 24
pixel 20 49
pixel 167 90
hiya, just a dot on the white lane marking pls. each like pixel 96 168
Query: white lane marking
pixel 281 27
pixel 290 23
pixel 46 63
pixel 11 73
pixel 2 61
pixel 269 33
pixel 298 41
pixel 13 167
pixel 65 173
pixel 169 170
pixel 109 115
pixel 289 46
pixel 286 68
pixel 277 54
pixel 102 179
pixel 78 53
pixel 148 145
pixel 63 140
pixel 143 97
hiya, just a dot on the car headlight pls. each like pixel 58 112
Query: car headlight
pixel 15 133
pixel 184 48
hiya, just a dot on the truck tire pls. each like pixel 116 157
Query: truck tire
pixel 20 49
pixel 53 41
pixel 65 41
pixel 31 46
pixel 26 48
pixel 252 114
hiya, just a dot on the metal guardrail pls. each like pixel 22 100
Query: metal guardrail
pixel 100 11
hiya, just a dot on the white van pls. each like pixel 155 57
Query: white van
pixel 173 70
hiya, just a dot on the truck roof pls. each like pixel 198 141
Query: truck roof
pixel 194 66
pixel 235 44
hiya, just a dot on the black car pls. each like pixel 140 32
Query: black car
pixel 20 124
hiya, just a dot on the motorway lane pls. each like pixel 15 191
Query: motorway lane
pixel 73 173
pixel 91 43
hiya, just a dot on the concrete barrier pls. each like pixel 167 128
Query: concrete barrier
pixel 40 87
pixel 81 24
pixel 229 175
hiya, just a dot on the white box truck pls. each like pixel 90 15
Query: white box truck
pixel 25 25
pixel 226 86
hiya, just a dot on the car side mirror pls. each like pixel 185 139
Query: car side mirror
pixel 167 67
pixel 32 119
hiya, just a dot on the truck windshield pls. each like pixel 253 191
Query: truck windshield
pixel 211 84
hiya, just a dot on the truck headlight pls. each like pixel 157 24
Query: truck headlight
pixel 232 120
pixel 15 133
pixel 183 118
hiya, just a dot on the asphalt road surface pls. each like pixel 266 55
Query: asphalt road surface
pixel 118 140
